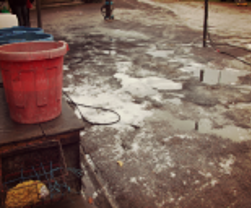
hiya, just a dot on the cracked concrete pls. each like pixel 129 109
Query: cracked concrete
pixel 183 143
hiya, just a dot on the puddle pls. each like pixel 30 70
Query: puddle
pixel 124 66
pixel 232 132
pixel 175 101
pixel 142 87
pixel 130 112
pixel 110 52
pixel 131 40
pixel 134 86
pixel 141 72
pixel 204 126
pixel 214 76
pixel 226 76
pixel 162 84
pixel 65 67
pixel 160 53
pixel 70 76
pixel 128 34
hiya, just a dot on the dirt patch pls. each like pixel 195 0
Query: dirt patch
pixel 176 134
pixel 241 117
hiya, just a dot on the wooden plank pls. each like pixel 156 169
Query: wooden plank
pixel 64 156
pixel 77 201
pixel 241 2
pixel 11 131
pixel 27 145
pixel 66 122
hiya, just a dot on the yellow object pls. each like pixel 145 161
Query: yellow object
pixel 23 194
pixel 242 4
pixel 120 163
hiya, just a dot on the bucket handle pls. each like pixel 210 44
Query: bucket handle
pixel 17 90
pixel 41 85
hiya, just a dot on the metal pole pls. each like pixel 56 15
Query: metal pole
pixel 201 75
pixel 196 126
pixel 38 8
pixel 219 78
pixel 205 24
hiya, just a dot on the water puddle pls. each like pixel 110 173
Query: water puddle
pixel 142 87
pixel 204 126
pixel 160 53
pixel 65 67
pixel 161 83
pixel 110 52
pixel 123 66
pixel 175 101
pixel 213 76
pixel 232 132
pixel 128 34
pixel 227 76
pixel 131 114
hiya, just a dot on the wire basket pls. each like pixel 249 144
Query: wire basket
pixel 38 184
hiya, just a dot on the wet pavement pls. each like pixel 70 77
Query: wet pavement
pixel 182 141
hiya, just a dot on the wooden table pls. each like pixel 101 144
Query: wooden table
pixel 25 146
pixel 74 202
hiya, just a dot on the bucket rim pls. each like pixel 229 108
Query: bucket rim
pixel 23 28
pixel 14 56
pixel 9 35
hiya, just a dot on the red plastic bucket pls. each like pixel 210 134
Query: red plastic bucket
pixel 32 74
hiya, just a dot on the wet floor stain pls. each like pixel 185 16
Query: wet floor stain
pixel 160 53
pixel 213 76
pixel 169 160
pixel 205 126
pixel 110 52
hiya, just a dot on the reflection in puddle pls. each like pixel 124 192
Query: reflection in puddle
pixel 175 101
pixel 142 87
pixel 160 53
pixel 110 52
pixel 214 76
pixel 162 83
pixel 123 66
pixel 204 126
pixel 232 132
pixel 227 76
pixel 128 34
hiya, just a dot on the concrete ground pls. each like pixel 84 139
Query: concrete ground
pixel 180 142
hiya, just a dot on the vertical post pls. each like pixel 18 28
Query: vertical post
pixel 205 24
pixel 219 77
pixel 201 75
pixel 196 126
pixel 38 8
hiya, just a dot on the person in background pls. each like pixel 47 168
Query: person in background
pixel 19 8
pixel 29 6
pixel 11 7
